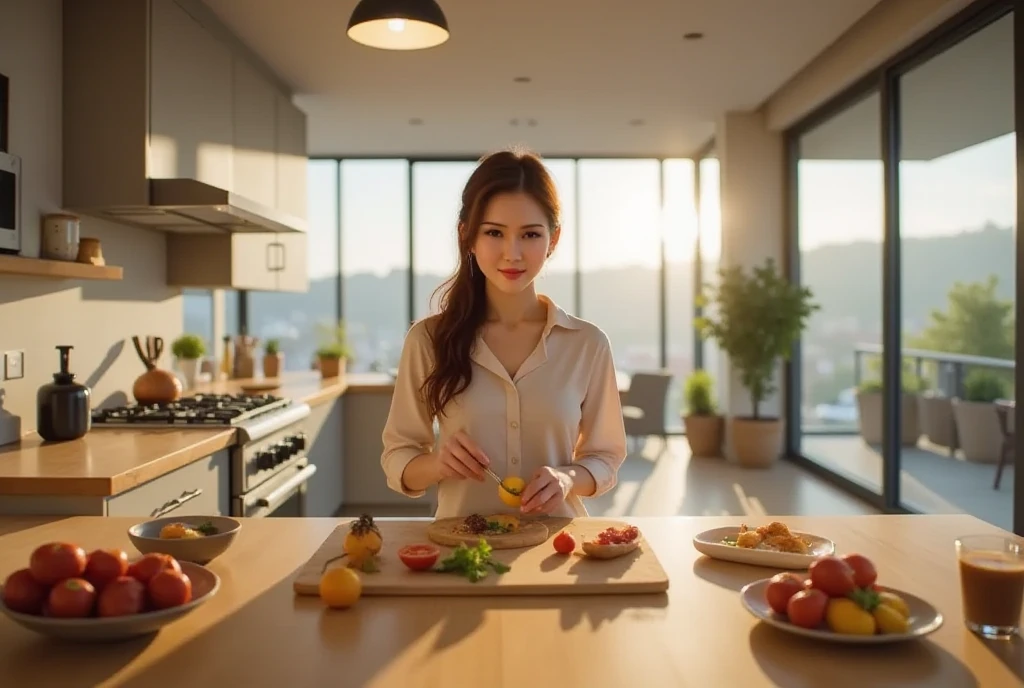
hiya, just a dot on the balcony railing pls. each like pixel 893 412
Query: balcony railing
pixel 949 367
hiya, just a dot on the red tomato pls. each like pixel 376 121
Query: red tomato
pixel 864 573
pixel 807 608
pixel 780 588
pixel 121 597
pixel 23 593
pixel 151 564
pixel 565 543
pixel 169 588
pixel 105 565
pixel 55 561
pixel 419 557
pixel 832 576
pixel 72 598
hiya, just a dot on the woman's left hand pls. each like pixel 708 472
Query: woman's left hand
pixel 546 490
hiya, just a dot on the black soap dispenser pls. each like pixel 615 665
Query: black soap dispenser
pixel 62 406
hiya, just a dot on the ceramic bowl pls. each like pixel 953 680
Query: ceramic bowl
pixel 205 584
pixel 146 538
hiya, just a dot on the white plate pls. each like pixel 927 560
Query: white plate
pixel 710 543
pixel 924 618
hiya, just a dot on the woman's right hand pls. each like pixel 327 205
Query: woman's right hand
pixel 460 457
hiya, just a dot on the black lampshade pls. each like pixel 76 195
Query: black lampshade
pixel 398 24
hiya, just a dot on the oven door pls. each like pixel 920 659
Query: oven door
pixel 282 495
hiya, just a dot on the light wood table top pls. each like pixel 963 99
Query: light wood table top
pixel 108 461
pixel 256 632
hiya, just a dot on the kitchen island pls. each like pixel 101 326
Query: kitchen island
pixel 256 632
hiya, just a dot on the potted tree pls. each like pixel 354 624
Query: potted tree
pixel 977 424
pixel 273 359
pixel 333 355
pixel 187 350
pixel 869 410
pixel 755 320
pixel 704 427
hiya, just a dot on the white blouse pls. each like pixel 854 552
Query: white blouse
pixel 562 407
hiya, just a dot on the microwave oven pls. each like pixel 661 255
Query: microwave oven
pixel 10 203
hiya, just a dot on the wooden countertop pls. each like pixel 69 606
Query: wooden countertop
pixel 108 461
pixel 697 634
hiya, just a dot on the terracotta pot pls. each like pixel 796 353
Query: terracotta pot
pixel 756 443
pixel 272 364
pixel 332 367
pixel 705 434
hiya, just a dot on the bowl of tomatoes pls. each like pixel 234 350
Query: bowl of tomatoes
pixel 102 596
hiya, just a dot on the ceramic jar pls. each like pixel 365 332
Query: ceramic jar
pixel 59 237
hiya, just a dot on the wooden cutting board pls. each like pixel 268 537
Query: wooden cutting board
pixel 537 570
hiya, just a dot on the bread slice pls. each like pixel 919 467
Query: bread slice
pixel 598 551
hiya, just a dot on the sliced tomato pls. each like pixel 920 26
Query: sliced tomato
pixel 419 557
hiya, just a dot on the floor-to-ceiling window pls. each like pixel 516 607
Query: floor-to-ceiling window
pixel 375 260
pixel 957 194
pixel 840 228
pixel 302 321
pixel 905 220
pixel 709 198
pixel 679 232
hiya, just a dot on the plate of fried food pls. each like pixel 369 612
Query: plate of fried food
pixel 773 545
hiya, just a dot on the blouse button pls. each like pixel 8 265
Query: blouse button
pixel 515 459
pixel 514 425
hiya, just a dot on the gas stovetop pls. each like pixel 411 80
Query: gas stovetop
pixel 198 410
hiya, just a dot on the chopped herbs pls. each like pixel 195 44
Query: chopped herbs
pixel 207 528
pixel 471 562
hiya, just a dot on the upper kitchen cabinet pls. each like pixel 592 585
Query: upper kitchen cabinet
pixel 171 123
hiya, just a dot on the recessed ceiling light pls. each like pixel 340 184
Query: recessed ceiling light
pixel 522 79
pixel 514 121
pixel 636 122
pixel 415 121
pixel 531 122
pixel 693 36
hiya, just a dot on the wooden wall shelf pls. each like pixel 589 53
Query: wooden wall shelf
pixel 58 269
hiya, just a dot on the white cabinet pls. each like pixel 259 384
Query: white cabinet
pixel 291 158
pixel 190 109
pixel 255 135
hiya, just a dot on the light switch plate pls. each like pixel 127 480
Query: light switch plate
pixel 14 365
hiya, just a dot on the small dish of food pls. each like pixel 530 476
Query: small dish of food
pixel 773 545
pixel 612 542
pixel 198 539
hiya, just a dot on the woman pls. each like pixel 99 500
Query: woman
pixel 515 383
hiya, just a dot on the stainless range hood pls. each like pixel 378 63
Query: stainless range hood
pixel 190 206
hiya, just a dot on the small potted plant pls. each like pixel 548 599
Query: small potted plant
pixel 273 359
pixel 187 350
pixel 705 428
pixel 870 414
pixel 756 317
pixel 333 355
pixel 977 424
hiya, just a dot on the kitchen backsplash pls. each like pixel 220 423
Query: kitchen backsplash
pixel 36 315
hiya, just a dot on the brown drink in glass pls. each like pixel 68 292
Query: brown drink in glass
pixel 991 584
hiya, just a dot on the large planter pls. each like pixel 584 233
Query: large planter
pixel 977 427
pixel 705 434
pixel 272 364
pixel 936 416
pixel 756 443
pixel 332 367
pixel 869 412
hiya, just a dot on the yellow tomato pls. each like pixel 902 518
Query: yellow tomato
pixel 846 616
pixel 890 620
pixel 340 587
pixel 896 602
pixel 515 484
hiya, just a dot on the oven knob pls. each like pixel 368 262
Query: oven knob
pixel 298 442
pixel 264 460
pixel 281 453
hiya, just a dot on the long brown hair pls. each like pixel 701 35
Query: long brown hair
pixel 462 296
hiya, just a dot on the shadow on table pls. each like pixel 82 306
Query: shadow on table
pixel 730 575
pixel 917 663
pixel 1010 652
pixel 72 664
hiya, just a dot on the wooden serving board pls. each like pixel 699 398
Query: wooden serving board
pixel 537 570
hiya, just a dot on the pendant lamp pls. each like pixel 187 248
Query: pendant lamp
pixel 398 24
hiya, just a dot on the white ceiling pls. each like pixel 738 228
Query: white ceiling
pixel 595 66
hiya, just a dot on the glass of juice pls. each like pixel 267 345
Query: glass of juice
pixel 991 584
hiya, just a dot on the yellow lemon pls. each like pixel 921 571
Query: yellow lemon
pixel 514 484
pixel 340 587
